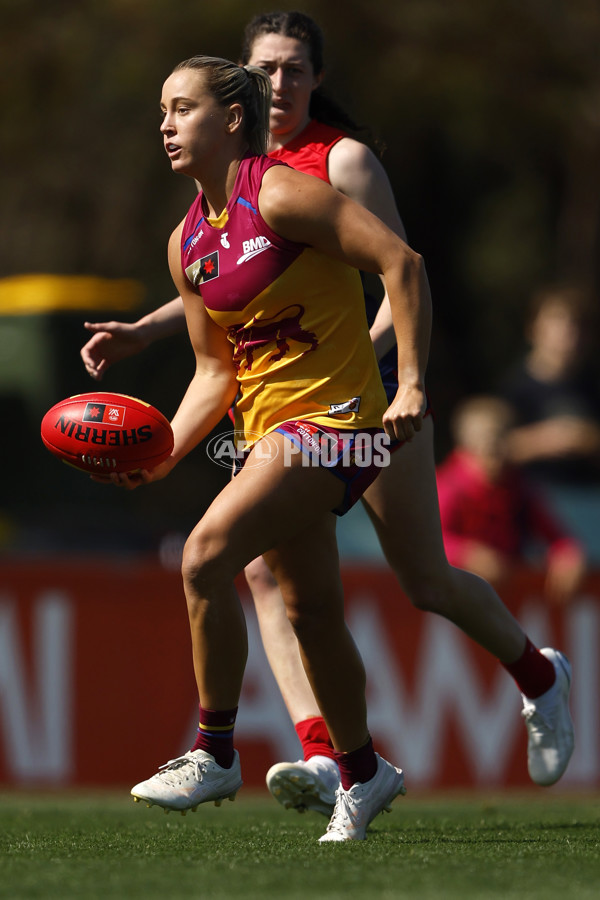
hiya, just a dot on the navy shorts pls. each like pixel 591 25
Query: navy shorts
pixel 356 457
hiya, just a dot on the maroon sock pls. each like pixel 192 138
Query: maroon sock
pixel 358 765
pixel 314 737
pixel 533 672
pixel 215 734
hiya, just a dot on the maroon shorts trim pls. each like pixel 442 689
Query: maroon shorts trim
pixel 356 457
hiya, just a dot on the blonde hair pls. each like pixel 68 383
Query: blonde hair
pixel 247 85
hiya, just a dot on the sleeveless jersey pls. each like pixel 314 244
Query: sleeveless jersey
pixel 295 317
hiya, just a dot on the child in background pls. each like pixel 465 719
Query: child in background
pixel 555 392
pixel 491 515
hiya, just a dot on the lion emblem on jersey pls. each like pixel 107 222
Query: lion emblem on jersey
pixel 279 330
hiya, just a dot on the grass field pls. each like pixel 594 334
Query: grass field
pixel 544 845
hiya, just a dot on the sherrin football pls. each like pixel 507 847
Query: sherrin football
pixel 104 432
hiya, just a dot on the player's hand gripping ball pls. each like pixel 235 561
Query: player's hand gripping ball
pixel 104 432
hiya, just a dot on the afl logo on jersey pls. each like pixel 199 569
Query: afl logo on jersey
pixel 204 269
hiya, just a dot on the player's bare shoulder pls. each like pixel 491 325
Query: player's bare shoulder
pixel 357 172
pixel 349 158
pixel 288 198
pixel 174 256
pixel 282 182
pixel 175 238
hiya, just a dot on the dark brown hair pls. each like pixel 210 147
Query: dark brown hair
pixel 301 27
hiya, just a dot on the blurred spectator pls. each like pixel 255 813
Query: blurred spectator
pixel 555 391
pixel 492 518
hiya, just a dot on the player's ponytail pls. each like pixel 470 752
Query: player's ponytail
pixel 246 85
pixel 257 130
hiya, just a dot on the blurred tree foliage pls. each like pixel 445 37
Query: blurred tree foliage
pixel 490 113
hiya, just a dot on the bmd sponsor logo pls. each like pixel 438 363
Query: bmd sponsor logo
pixel 252 248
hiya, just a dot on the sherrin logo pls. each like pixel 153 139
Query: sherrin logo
pixel 253 247
pixel 108 437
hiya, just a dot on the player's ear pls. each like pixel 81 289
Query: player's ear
pixel 233 119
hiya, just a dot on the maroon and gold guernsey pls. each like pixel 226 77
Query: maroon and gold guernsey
pixel 293 316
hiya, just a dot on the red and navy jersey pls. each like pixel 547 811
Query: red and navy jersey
pixel 295 317
pixel 309 151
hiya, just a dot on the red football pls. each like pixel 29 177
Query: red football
pixel 104 432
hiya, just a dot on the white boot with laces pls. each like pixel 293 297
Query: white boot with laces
pixel 185 782
pixel 549 725
pixel 356 808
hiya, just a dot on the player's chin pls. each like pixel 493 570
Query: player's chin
pixel 280 122
pixel 180 167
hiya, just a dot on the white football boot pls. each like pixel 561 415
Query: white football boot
pixel 185 782
pixel 305 785
pixel 356 808
pixel 550 728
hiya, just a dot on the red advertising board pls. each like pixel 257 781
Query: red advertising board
pixel 97 687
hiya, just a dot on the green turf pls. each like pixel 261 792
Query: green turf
pixel 545 846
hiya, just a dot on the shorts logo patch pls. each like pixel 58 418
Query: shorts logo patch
pixel 313 437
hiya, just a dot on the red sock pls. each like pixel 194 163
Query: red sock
pixel 358 765
pixel 533 672
pixel 215 734
pixel 314 737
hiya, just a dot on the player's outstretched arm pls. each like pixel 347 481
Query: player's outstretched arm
pixel 113 341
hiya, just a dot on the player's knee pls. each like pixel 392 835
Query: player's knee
pixel 429 592
pixel 204 561
pixel 259 578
